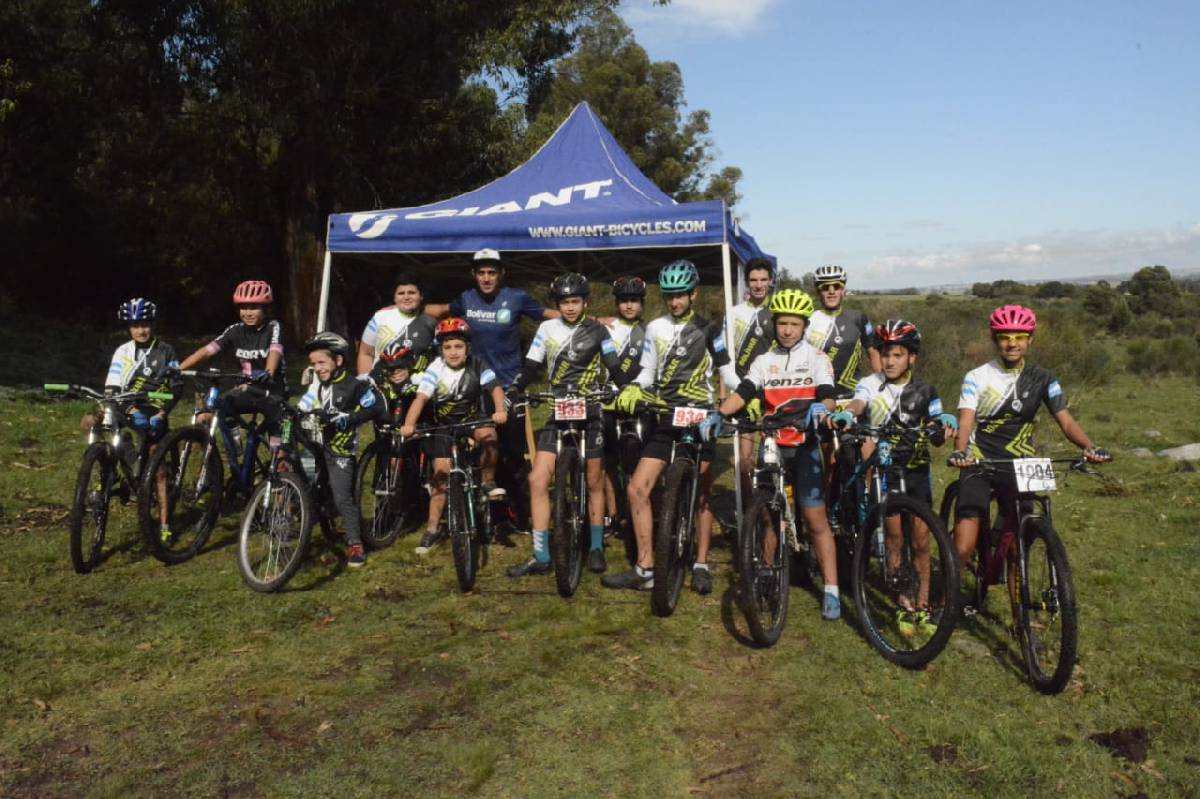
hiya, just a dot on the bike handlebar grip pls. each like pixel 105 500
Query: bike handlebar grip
pixel 56 387
pixel 161 395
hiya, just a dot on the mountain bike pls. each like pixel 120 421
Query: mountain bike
pixel 276 524
pixel 570 538
pixel 111 465
pixel 196 489
pixel 1023 552
pixel 904 573
pixel 387 486
pixel 468 510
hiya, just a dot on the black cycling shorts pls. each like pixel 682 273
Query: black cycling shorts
pixel 975 489
pixel 664 435
pixel 547 440
pixel 918 483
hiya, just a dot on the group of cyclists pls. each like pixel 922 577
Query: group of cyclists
pixel 419 363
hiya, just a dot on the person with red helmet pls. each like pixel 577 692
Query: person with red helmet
pixel 997 407
pixel 402 323
pixel 257 344
pixel 455 384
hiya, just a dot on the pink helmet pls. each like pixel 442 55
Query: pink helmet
pixel 252 292
pixel 1013 318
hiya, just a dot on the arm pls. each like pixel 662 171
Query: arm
pixel 500 416
pixel 1072 430
pixel 876 361
pixel 275 351
pixel 366 358
pixel 199 356
pixel 966 423
pixel 612 361
pixel 414 413
pixel 273 359
pixel 438 310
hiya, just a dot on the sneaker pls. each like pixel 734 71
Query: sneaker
pixel 355 556
pixel 701 581
pixel 529 568
pixel 831 608
pixel 927 622
pixel 628 579
pixel 429 541
pixel 596 562
pixel 493 492
pixel 165 535
pixel 906 622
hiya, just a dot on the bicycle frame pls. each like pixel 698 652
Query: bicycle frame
pixel 221 428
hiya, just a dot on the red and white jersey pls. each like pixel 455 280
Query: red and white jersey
pixel 780 375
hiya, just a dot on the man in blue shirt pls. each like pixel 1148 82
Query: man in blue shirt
pixel 494 313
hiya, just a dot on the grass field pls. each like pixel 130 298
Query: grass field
pixel 144 680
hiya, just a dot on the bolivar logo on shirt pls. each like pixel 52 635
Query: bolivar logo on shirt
pixel 503 316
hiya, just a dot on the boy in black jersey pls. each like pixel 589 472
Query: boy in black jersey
pixel 895 395
pixel 628 333
pixel 257 343
pixel 347 403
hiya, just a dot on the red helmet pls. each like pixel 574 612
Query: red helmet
pixel 252 292
pixel 898 331
pixel 1013 318
pixel 453 327
pixel 397 356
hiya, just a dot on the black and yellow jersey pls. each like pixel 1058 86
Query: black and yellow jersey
pixel 575 357
pixel 456 394
pixel 911 404
pixel 343 394
pixel 1006 402
pixel 679 357
pixel 842 335
pixel 753 334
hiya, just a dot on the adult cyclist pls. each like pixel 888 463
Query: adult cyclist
pixel 628 333
pixel 753 334
pixel 841 333
pixel 403 323
pixel 681 352
pixel 997 407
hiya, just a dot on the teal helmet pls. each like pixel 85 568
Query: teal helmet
pixel 678 276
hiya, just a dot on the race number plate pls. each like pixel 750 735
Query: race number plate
pixel 570 410
pixel 687 417
pixel 1034 474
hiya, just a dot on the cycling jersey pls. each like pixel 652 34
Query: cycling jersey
pixel 137 367
pixel 910 404
pixel 678 359
pixel 842 335
pixel 251 346
pixel 495 326
pixel 753 334
pixel 344 394
pixel 1006 402
pixel 629 338
pixel 572 355
pixel 391 324
pixel 457 394
pixel 802 375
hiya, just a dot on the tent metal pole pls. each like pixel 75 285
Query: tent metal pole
pixel 322 310
pixel 737 466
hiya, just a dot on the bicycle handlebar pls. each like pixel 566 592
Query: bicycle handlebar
pixel 91 393
pixel 471 424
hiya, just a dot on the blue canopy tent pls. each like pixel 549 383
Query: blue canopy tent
pixel 579 203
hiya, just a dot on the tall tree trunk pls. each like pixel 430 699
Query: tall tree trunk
pixel 305 256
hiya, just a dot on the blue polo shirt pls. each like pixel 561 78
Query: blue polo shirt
pixel 495 326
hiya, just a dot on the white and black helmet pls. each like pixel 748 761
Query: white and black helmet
pixel 139 309
pixel 830 273
pixel 328 340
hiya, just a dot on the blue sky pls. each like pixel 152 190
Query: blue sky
pixel 924 143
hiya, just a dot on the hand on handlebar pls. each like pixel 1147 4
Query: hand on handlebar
pixel 841 419
pixel 960 459
pixel 500 416
pixel 710 426
pixel 816 412
pixel 406 430
pixel 1097 455
pixel 628 399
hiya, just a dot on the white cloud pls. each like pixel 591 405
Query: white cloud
pixel 727 17
pixel 1042 257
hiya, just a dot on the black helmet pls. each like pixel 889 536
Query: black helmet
pixel 629 286
pixel 328 341
pixel 572 284
pixel 138 309
pixel 898 331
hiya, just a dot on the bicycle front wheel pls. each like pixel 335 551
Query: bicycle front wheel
pixel 188 465
pixel 674 542
pixel 905 582
pixel 275 530
pixel 378 492
pixel 568 544
pixel 464 539
pixel 89 513
pixel 763 569
pixel 1047 624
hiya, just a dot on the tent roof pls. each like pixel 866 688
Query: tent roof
pixel 579 202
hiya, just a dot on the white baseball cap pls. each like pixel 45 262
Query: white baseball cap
pixel 487 255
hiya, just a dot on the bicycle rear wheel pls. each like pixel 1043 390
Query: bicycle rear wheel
pixel 674 542
pixel 191 468
pixel 569 543
pixel 275 530
pixel 378 492
pixel 1047 624
pixel 89 513
pixel 763 569
pixel 464 539
pixel 905 582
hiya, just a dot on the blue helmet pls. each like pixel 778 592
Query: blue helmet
pixel 138 309
pixel 678 276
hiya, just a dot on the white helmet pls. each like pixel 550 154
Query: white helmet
pixel 829 273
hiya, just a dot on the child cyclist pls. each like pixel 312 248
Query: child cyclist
pixel 456 383
pixel 996 411
pixel 347 403
pixel 257 343
pixel 795 373
pixel 628 333
pixel 894 395
pixel 144 363
pixel 571 348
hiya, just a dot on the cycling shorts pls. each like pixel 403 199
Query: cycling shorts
pixel 663 435
pixel 975 489
pixel 918 484
pixel 593 437
pixel 802 465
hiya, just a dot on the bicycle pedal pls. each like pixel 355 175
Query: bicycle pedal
pixel 969 611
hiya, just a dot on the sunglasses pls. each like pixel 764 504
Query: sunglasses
pixel 830 286
pixel 1005 338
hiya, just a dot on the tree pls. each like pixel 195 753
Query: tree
pixel 642 103
pixel 1152 289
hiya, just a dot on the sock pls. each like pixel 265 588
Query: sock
pixel 541 546
pixel 597 532
pixel 832 590
pixel 643 572
pixel 704 567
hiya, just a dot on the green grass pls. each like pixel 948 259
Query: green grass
pixel 144 680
